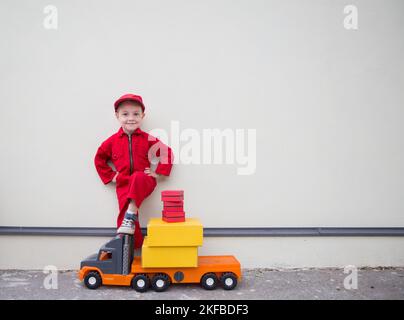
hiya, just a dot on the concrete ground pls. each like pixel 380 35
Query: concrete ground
pixel 379 283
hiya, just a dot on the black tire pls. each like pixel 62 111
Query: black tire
pixel 141 283
pixel 228 280
pixel 93 280
pixel 209 281
pixel 160 282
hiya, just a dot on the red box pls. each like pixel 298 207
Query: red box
pixel 173 203
pixel 177 214
pixel 172 198
pixel 181 219
pixel 173 209
pixel 172 193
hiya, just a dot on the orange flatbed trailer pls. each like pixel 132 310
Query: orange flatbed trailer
pixel 209 271
pixel 206 264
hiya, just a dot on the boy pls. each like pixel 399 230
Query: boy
pixel 129 150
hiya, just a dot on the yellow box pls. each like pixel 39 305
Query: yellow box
pixel 182 234
pixel 167 257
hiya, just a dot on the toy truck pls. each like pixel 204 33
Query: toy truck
pixel 169 255
pixel 110 267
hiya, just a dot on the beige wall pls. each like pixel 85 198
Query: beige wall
pixel 327 104
pixel 65 253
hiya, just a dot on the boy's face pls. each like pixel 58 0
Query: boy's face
pixel 130 116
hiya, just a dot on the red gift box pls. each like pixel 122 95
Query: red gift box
pixel 172 193
pixel 173 209
pixel 169 214
pixel 173 203
pixel 180 219
pixel 173 198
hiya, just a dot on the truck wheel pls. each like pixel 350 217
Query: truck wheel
pixel 160 282
pixel 93 280
pixel 228 280
pixel 141 283
pixel 209 281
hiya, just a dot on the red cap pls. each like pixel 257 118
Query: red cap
pixel 129 97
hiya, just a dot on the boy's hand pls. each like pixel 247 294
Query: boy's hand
pixel 114 178
pixel 150 173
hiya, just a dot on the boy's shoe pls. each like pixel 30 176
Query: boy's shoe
pixel 127 226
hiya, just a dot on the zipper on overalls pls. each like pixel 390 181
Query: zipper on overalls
pixel 130 153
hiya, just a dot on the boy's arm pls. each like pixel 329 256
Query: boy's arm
pixel 166 156
pixel 101 159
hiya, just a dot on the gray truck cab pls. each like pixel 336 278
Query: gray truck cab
pixel 114 257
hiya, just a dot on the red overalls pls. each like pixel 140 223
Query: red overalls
pixel 130 156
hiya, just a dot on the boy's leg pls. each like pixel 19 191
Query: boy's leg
pixel 140 187
pixel 132 206
pixel 131 216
